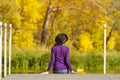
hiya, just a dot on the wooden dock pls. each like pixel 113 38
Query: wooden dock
pixel 62 77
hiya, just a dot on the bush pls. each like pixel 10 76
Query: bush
pixel 38 60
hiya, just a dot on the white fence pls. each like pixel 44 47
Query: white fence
pixel 4 27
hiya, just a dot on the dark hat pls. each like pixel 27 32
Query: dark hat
pixel 61 38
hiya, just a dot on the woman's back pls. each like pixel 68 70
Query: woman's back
pixel 60 53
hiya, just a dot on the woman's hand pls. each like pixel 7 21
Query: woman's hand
pixel 73 72
pixel 47 72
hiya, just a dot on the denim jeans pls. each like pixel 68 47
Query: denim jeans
pixel 61 72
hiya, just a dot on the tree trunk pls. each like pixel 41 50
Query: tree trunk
pixel 46 24
pixel 110 34
pixel 56 13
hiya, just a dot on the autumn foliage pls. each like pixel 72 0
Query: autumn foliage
pixel 36 22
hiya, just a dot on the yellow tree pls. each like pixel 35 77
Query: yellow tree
pixel 29 16
pixel 115 11
pixel 39 21
pixel 7 7
pixel 78 17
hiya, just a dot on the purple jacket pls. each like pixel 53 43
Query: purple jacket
pixel 59 58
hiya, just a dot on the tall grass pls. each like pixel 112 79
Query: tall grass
pixel 90 62
pixel 36 61
pixel 26 60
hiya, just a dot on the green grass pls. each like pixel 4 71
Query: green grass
pixel 23 71
pixel 36 61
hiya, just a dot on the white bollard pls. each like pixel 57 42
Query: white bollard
pixel 5 49
pixel 10 47
pixel 0 50
pixel 104 48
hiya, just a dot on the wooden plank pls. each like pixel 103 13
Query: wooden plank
pixel 62 77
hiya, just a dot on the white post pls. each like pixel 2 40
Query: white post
pixel 10 47
pixel 104 48
pixel 0 50
pixel 5 50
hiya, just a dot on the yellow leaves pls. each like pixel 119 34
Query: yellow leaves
pixel 24 39
pixel 28 15
pixel 80 71
pixel 31 10
pixel 90 16
pixel 85 42
pixel 73 21
pixel 111 43
pixel 17 2
pixel 100 24
pixel 83 16
pixel 97 39
pixel 115 13
pixel 109 20
pixel 107 0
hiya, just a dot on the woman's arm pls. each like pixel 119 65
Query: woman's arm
pixel 52 59
pixel 67 60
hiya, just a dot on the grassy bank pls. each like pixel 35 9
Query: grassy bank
pixel 36 61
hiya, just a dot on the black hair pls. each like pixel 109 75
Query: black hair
pixel 61 38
